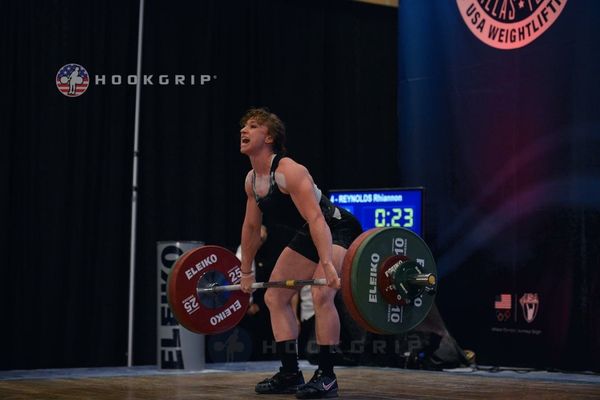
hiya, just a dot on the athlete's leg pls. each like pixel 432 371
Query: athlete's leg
pixel 327 326
pixel 327 320
pixel 290 265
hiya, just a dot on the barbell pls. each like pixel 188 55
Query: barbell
pixel 388 284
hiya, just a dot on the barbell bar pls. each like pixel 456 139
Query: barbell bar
pixel 417 279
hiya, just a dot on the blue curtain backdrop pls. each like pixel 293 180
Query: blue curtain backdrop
pixel 507 144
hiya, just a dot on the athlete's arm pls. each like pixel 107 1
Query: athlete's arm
pixel 250 234
pixel 300 186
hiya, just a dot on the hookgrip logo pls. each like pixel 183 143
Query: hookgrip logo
pixel 230 346
pixel 509 24
pixel 72 80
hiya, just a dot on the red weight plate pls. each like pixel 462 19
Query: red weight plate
pixel 347 280
pixel 202 266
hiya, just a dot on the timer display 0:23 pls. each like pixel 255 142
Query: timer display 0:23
pixel 403 217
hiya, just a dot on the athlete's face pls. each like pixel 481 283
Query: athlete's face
pixel 254 136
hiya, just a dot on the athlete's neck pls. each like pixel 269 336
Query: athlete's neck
pixel 262 163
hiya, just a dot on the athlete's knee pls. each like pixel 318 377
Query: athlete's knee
pixel 274 298
pixel 322 297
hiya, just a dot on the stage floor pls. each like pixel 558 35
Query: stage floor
pixel 237 380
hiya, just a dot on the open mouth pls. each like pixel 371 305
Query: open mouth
pixel 245 140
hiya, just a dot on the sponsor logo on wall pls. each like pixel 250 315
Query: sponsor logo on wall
pixel 509 24
pixel 514 312
pixel 530 304
pixel 72 80
pixel 503 307
pixel 231 346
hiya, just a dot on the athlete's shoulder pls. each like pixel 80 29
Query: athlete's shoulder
pixel 287 164
pixel 291 174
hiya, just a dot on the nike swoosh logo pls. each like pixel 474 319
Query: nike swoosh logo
pixel 327 387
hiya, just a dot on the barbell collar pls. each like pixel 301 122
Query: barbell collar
pixel 422 279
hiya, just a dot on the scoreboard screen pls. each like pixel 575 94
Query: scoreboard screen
pixel 383 207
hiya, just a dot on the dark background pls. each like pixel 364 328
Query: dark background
pixel 505 142
pixel 327 68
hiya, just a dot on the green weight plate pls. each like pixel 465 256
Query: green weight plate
pixel 347 280
pixel 377 314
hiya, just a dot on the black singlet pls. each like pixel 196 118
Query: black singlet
pixel 278 207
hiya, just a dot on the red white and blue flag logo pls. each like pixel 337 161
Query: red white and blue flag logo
pixel 72 80
pixel 503 306
pixel 503 302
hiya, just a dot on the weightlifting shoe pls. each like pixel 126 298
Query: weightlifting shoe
pixel 320 386
pixel 280 383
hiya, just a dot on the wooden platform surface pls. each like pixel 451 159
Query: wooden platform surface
pixel 355 383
